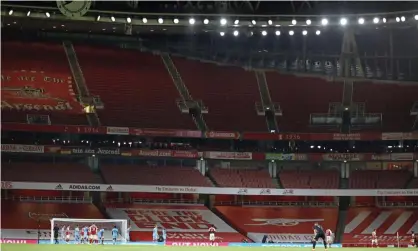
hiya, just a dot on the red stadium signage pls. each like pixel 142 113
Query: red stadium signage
pixel 18 241
pixel 12 148
pixel 222 135
pixel 343 157
pixel 165 133
pixel 170 220
pixel 229 155
pixel 165 153
pixel 117 130
pixel 346 136
pixel 89 151
pixel 197 244
pixel 185 238
pixel 399 135
pixel 38 91
pixel 127 152
pixel 103 130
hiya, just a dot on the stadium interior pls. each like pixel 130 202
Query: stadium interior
pixel 285 131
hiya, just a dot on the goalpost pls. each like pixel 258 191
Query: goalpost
pixel 106 224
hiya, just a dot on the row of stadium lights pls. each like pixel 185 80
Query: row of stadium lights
pixel 223 22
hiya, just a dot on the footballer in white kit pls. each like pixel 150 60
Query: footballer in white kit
pixel 212 231
pixel 374 238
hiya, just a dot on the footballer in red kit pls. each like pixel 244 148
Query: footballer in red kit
pixel 93 234
pixel 414 239
pixel 328 237
pixel 67 234
pixel 212 231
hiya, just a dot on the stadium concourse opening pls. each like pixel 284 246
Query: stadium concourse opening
pixel 280 125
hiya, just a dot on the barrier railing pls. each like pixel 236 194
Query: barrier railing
pixel 401 204
pixel 117 200
pixel 61 199
pixel 280 203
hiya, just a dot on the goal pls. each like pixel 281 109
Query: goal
pixel 106 224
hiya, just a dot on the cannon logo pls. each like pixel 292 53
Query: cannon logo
pixel 242 191
pixel 6 185
pixel 281 222
pixel 288 192
pixel 265 191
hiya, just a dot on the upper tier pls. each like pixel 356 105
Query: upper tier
pixel 137 90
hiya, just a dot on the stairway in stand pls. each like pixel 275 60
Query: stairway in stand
pixel 186 102
pixel 266 104
pixel 80 82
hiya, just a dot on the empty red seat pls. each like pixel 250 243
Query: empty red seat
pixel 370 179
pixel 135 87
pixel 48 172
pixel 229 93
pixel 153 175
pixel 310 179
pixel 396 113
pixel 238 177
pixel 299 97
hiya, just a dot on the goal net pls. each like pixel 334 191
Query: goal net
pixel 106 224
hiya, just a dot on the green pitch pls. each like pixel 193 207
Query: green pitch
pixel 29 247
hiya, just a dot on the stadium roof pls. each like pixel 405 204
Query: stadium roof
pixel 242 7
pixel 222 17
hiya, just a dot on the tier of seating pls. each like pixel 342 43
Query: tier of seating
pixel 281 224
pixel 25 220
pixel 230 177
pixel 37 57
pixel 229 93
pixel 300 97
pixel 360 222
pixel 46 172
pixel 309 179
pixel 393 101
pixel 223 177
pixel 154 175
pixel 57 118
pixel 370 179
pixel 187 223
pixel 135 88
